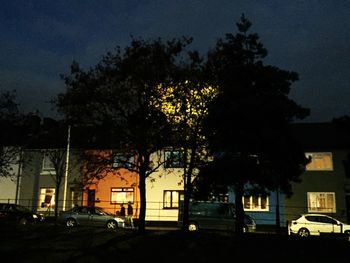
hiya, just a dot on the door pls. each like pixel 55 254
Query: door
pixel 83 216
pixel 98 217
pixel 347 204
pixel 327 225
pixel 91 197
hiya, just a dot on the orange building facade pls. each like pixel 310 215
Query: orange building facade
pixel 113 187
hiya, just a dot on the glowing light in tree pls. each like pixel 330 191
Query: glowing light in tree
pixel 186 102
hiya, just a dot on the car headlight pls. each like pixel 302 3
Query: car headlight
pixel 119 220
pixel 35 216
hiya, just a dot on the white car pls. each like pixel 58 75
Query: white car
pixel 315 224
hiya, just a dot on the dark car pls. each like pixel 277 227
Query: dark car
pixel 90 216
pixel 13 213
pixel 214 216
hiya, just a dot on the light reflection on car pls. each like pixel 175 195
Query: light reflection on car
pixel 90 216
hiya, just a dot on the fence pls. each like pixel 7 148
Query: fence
pixel 155 211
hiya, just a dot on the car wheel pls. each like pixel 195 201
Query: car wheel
pixel 192 226
pixel 71 222
pixel 23 221
pixel 303 232
pixel 112 225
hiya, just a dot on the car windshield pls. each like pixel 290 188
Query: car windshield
pixel 248 219
pixel 88 209
pixel 21 208
pixel 99 210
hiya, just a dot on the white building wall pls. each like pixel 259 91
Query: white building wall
pixel 8 187
pixel 156 184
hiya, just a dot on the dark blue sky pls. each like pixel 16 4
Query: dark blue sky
pixel 39 40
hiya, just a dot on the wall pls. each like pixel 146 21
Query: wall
pixel 320 181
pixel 159 181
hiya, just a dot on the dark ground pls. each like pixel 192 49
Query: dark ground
pixel 50 243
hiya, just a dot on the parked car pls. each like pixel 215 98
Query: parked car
pixel 214 216
pixel 13 213
pixel 90 216
pixel 316 224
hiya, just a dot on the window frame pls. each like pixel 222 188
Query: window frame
pixel 128 160
pixel 42 200
pixel 170 204
pixel 317 155
pixel 177 162
pixel 45 168
pixel 126 199
pixel 318 209
pixel 258 207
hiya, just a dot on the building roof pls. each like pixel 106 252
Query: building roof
pixel 322 136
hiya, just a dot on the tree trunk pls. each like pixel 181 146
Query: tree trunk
pixel 144 162
pixel 278 220
pixel 58 184
pixel 188 182
pixel 239 190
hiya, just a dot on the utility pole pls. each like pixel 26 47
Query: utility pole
pixel 19 174
pixel 67 170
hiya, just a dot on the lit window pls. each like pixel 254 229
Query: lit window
pixel 174 159
pixel 47 197
pixel 122 195
pixel 256 203
pixel 171 199
pixel 323 202
pixel 320 161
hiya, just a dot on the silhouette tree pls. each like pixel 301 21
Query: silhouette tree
pixel 186 105
pixel 120 97
pixel 10 134
pixel 248 122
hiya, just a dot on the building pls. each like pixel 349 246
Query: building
pixel 325 185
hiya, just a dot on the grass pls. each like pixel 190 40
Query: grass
pixel 50 243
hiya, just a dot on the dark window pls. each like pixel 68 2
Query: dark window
pixel 327 220
pixel 312 218
pixel 83 210
pixel 174 159
pixel 123 160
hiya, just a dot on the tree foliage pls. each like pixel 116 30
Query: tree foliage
pixel 248 122
pixel 185 104
pixel 120 98
pixel 10 135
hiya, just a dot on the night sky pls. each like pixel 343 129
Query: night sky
pixel 39 40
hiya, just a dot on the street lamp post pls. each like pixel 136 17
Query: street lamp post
pixel 66 170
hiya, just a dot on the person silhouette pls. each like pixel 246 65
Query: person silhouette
pixel 122 210
pixel 130 214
